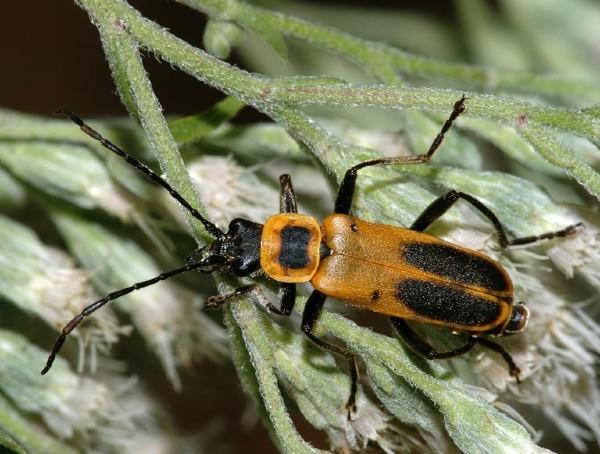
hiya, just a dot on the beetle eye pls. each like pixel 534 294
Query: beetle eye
pixel 518 320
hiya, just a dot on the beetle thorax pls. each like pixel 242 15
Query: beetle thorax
pixel 290 247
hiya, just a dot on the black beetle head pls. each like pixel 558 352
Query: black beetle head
pixel 238 251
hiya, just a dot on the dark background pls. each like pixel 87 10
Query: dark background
pixel 52 57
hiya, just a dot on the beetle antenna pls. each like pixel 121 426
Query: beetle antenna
pixel 211 228
pixel 110 297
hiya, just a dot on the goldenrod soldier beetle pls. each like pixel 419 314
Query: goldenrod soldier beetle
pixel 403 273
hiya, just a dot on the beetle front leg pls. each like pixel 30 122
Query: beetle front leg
pixel 287 293
pixel 287 296
pixel 310 316
pixel 442 204
pixel 420 346
pixel 287 195
pixel 215 302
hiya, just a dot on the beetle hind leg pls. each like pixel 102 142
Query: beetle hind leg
pixel 310 316
pixel 442 204
pixel 567 231
pixel 420 346
pixel 512 367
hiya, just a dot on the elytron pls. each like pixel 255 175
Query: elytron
pixel 402 273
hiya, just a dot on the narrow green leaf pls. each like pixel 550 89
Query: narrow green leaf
pixel 220 37
pixel 194 127
pixel 268 32
pixel 556 153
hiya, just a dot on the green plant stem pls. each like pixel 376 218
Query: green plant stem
pixel 120 48
pixel 258 91
pixel 261 355
pixel 379 57
pixel 136 91
pixel 268 95
pixel 474 425
pixel 508 111
pixel 556 153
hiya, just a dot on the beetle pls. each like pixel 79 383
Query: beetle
pixel 403 273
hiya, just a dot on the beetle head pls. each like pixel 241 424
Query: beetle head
pixel 518 320
pixel 237 251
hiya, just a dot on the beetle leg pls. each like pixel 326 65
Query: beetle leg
pixel 287 294
pixel 345 193
pixel 567 231
pixel 287 196
pixel 310 316
pixel 512 367
pixel 288 298
pixel 420 346
pixel 215 302
pixel 442 204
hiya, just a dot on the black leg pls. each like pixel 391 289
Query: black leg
pixel 345 193
pixel 215 302
pixel 512 367
pixel 288 298
pixel 439 206
pixel 420 346
pixel 107 299
pixel 310 316
pixel 287 204
pixel 287 196
pixel 209 226
pixel 287 295
pixel 423 348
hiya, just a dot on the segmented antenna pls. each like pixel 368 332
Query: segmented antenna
pixel 211 228
pixel 107 299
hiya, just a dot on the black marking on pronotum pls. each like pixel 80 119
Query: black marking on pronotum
pixel 294 247
pixel 445 303
pixel 375 295
pixel 454 264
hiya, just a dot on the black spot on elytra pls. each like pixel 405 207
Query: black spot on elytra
pixel 375 295
pixel 446 303
pixel 451 263
pixel 294 247
pixel 354 227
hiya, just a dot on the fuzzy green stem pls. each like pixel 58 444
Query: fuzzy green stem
pixel 269 95
pixel 137 94
pixel 259 91
pixel 377 57
pixel 261 355
pixel 556 153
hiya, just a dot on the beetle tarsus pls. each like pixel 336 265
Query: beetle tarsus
pixel 512 366
pixel 351 410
